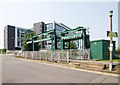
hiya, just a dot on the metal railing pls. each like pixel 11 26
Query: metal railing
pixel 57 55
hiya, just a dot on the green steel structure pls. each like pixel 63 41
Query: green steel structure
pixel 34 39
pixel 65 36
pixel 99 49
pixel 76 36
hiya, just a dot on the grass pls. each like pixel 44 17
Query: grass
pixel 3 53
pixel 114 60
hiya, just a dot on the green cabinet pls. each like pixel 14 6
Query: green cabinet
pixel 99 49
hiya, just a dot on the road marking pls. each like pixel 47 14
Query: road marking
pixel 109 74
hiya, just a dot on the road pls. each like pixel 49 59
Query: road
pixel 15 70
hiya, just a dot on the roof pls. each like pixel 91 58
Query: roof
pixel 100 40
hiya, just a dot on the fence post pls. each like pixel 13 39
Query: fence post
pixel 80 53
pixel 58 57
pixel 32 54
pixel 88 53
pixel 67 57
pixel 70 53
pixel 46 55
pixel 26 54
pixel 40 55
pixel 52 55
pixel 36 55
pixel 22 54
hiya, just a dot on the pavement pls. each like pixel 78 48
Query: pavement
pixel 15 70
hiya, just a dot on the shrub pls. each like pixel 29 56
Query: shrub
pixel 117 54
pixel 3 50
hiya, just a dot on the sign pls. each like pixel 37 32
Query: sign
pixel 111 45
pixel 112 34
pixel 111 48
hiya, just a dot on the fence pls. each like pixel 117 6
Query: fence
pixel 57 55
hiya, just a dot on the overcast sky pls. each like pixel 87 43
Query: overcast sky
pixel 94 15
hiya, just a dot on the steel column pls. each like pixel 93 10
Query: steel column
pixel 83 43
pixel 33 49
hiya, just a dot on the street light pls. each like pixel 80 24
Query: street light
pixel 111 13
pixel 111 45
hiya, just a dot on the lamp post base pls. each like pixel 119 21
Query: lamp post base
pixel 110 66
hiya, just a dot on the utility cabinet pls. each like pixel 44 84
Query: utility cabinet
pixel 99 49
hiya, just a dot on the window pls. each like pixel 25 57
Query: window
pixel 22 34
pixel 59 29
pixel 18 33
pixel 49 27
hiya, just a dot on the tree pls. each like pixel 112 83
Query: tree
pixel 117 53
pixel 29 35
pixel 3 50
pixel 72 45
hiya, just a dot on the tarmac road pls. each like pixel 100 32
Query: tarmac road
pixel 15 70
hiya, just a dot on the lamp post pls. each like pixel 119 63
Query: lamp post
pixel 111 45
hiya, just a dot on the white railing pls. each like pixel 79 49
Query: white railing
pixel 57 55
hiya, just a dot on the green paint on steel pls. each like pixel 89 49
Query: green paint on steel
pixel 83 43
pixel 73 30
pixel 99 49
pixel 52 42
pixel 34 37
pixel 37 41
pixel 46 33
pixel 33 47
pixel 46 39
pixel 29 42
pixel 75 36
pixel 29 38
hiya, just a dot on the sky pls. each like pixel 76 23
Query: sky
pixel 92 15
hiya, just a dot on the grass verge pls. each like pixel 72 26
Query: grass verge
pixel 114 60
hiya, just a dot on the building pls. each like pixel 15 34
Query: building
pixel 42 27
pixel 13 37
pixel 59 27
pixel 39 27
pixel 119 24
pixel 59 37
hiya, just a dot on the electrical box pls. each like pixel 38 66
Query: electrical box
pixel 100 49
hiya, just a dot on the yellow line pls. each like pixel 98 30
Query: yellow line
pixel 109 74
